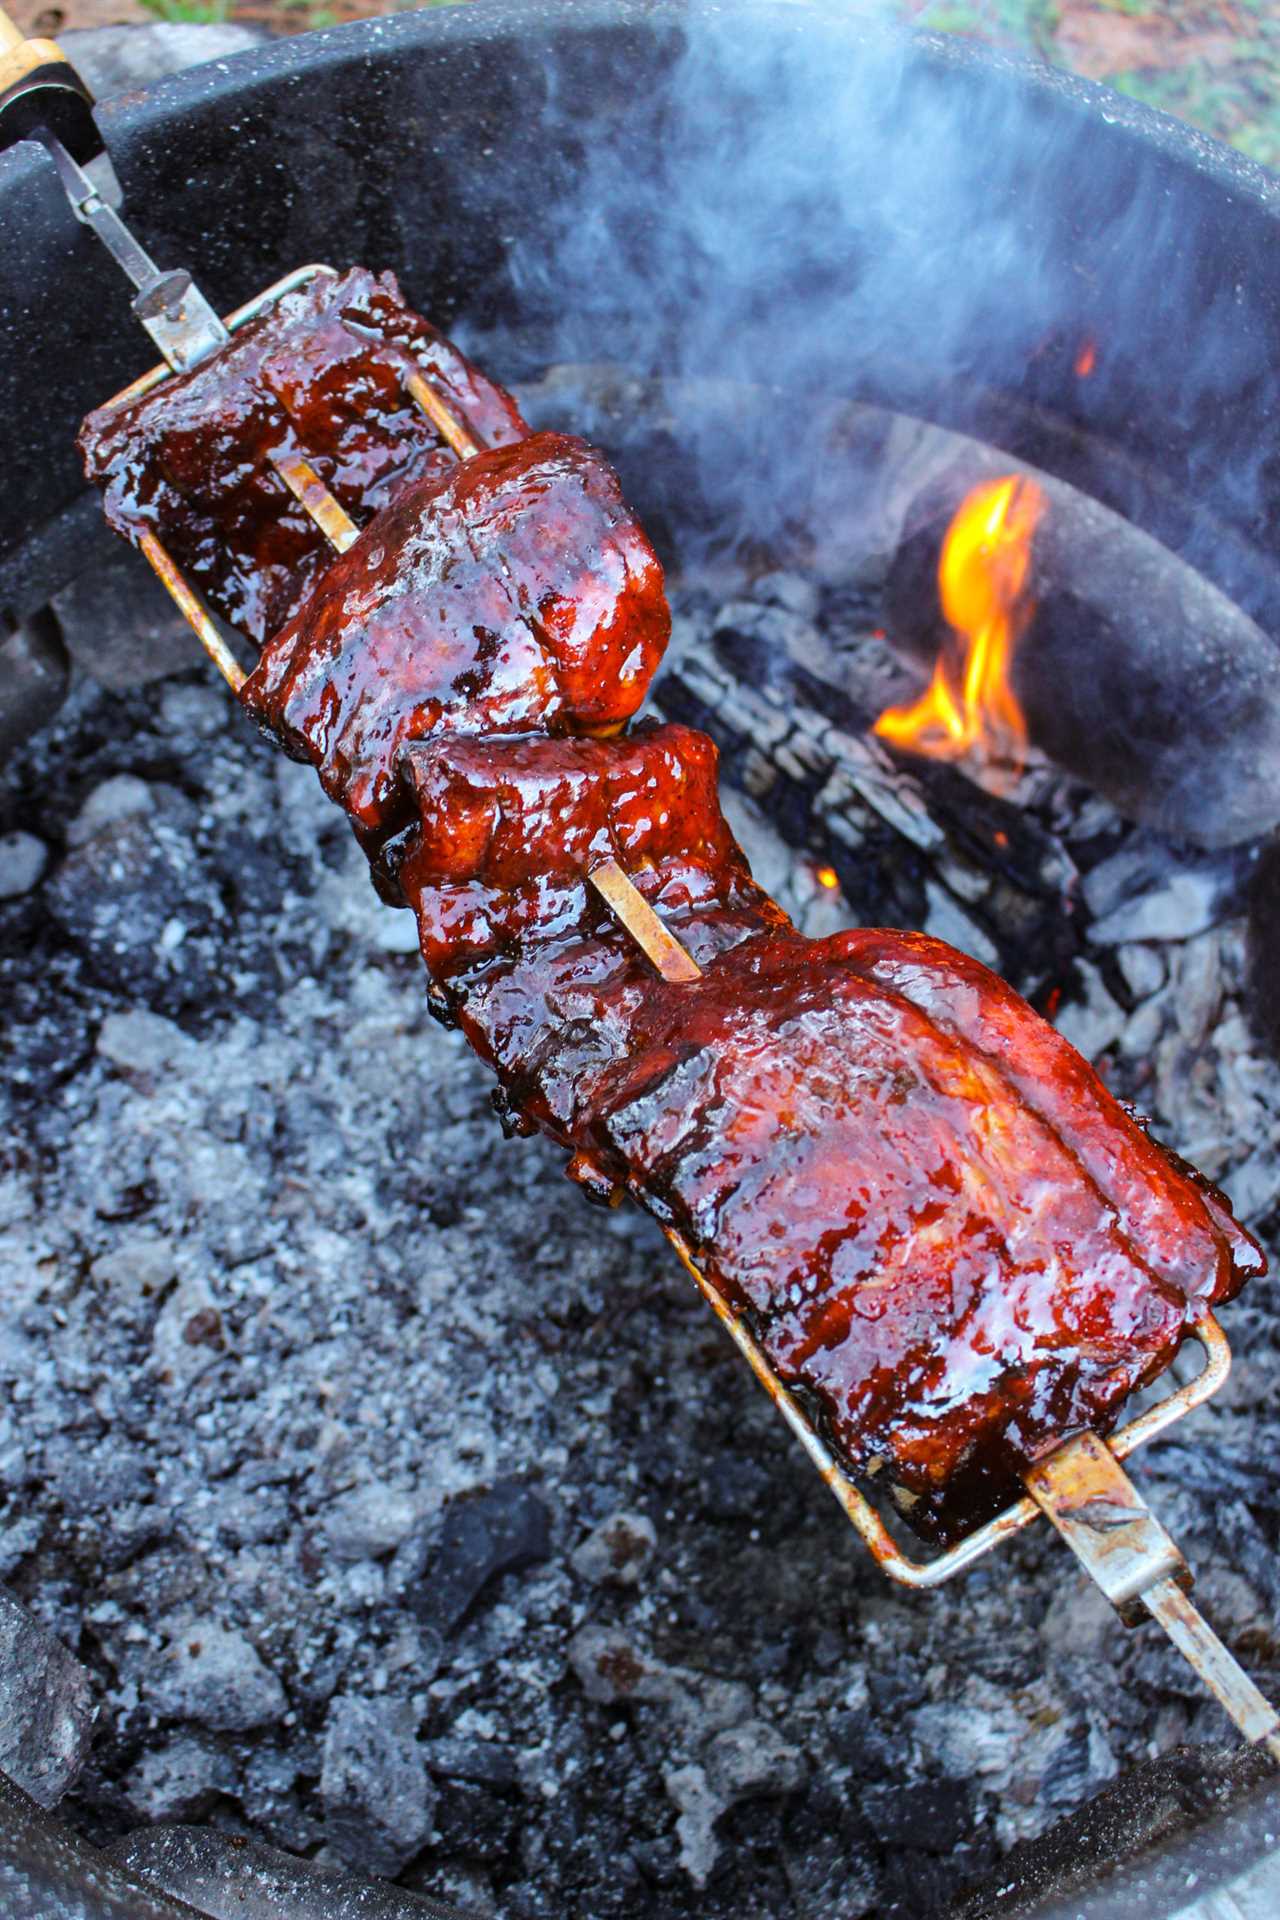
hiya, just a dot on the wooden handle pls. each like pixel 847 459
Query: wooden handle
pixel 20 56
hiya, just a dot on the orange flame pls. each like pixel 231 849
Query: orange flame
pixel 1086 359
pixel 969 708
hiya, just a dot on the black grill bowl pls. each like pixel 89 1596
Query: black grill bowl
pixel 448 145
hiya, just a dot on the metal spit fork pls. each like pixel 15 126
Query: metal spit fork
pixel 1080 1486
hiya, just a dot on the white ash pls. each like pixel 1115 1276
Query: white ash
pixel 305 1364
pixel 23 860
pixel 617 1552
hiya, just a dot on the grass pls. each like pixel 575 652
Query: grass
pixel 200 13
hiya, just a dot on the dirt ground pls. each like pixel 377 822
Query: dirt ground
pixel 1213 62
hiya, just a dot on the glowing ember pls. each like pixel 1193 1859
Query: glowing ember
pixel 827 877
pixel 1086 359
pixel 969 710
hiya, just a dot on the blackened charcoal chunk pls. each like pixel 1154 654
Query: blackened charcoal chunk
pixel 922 1883
pixel 46 1706
pixel 379 1801
pixel 502 1531
pixel 34 671
pixel 935 1815
pixel 252 871
pixel 48 1036
pixel 1263 944
pixel 866 1745
pixel 473 1821
pixel 480 1761
pixel 118 622
pixel 736 1487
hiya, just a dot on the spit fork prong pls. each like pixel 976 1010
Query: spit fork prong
pixel 628 905
pixel 192 609
pixel 445 422
pixel 312 495
pixel 1082 1488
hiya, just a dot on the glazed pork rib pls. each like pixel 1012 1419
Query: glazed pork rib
pixel 514 593
pixel 322 373
pixel 949 1240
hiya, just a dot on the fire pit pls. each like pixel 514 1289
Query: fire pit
pixel 399 1506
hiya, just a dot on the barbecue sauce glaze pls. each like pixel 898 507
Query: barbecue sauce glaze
pixel 945 1233
pixel 320 373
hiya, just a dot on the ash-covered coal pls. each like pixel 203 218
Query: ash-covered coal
pixel 410 1514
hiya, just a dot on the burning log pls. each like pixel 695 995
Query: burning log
pixel 910 843
pixel 1132 671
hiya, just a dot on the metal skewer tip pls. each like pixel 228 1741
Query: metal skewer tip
pixel 1094 1505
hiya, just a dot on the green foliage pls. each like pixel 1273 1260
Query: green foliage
pixel 202 13
pixel 1236 97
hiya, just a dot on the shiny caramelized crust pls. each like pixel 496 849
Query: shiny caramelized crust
pixel 1180 1221
pixel 945 1264
pixel 518 593
pixel 321 374
pixel 509 833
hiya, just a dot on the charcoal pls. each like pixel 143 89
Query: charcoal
pixel 388 1311
pixel 504 1531
pixel 698 1807
pixel 34 671
pixel 213 1676
pixel 746 1762
pixel 1253 1187
pixel 377 1795
pixel 114 800
pixel 935 1815
pixel 46 1706
pixel 1135 673
pixel 369 1521
pixel 1251 1547
pixel 473 1822
pixel 480 1761
pixel 137 905
pixel 610 1668
pixel 118 622
pixel 179 1781
pixel 1092 1021
pixel 18 1542
pixel 1140 894
pixel 1143 969
pixel 1264 944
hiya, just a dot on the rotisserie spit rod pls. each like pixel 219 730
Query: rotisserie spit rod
pixel 43 98
pixel 943 1245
